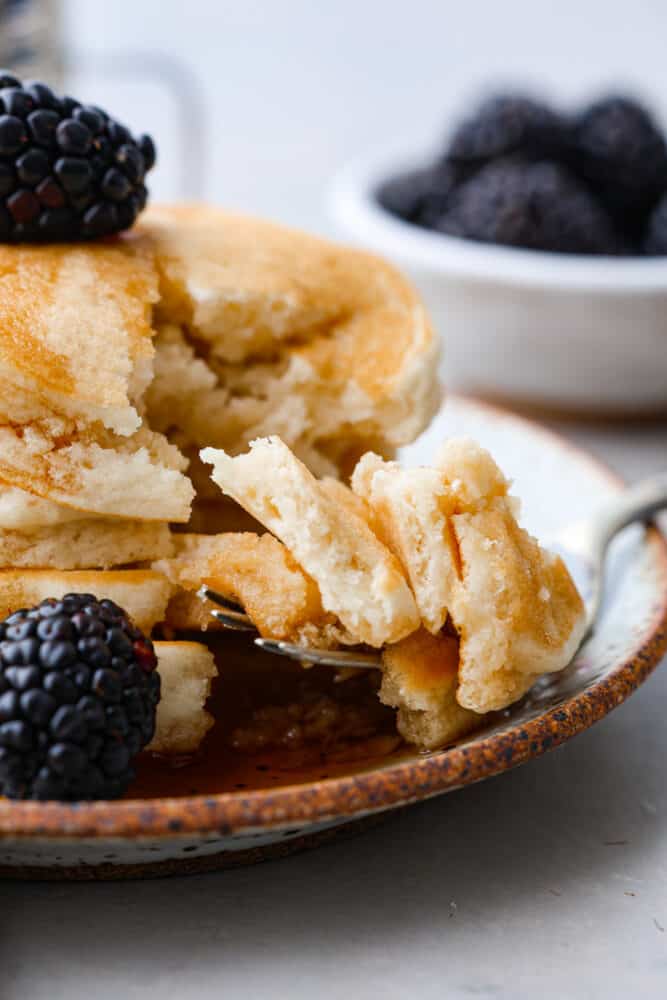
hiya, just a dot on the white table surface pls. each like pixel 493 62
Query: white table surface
pixel 549 882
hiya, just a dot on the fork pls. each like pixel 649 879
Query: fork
pixel 583 546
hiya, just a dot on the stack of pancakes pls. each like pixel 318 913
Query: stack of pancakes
pixel 120 360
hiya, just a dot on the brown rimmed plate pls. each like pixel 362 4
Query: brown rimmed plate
pixel 153 836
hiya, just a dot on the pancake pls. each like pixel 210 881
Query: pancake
pixel 359 580
pixel 23 511
pixel 454 529
pixel 86 544
pixel 186 671
pixel 255 571
pixel 138 477
pixel 326 346
pixel 75 359
pixel 143 593
pixel 75 331
pixel 419 678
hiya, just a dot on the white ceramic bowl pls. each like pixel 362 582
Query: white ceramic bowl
pixel 577 333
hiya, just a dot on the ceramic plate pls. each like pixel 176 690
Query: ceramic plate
pixel 142 837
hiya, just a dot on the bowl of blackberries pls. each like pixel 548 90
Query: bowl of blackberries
pixel 538 239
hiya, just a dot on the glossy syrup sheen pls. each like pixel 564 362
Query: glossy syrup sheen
pixel 247 681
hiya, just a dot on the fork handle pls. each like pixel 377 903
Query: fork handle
pixel 636 503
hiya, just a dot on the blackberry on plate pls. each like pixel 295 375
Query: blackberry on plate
pixel 504 124
pixel 78 696
pixel 618 148
pixel 540 206
pixel 419 196
pixel 68 171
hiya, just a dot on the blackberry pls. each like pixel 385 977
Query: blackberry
pixel 540 206
pixel 67 170
pixel 78 695
pixel 420 196
pixel 655 239
pixel 507 123
pixel 617 147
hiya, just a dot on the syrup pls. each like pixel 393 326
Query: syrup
pixel 248 681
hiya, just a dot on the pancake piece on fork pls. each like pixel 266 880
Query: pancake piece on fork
pixel 359 580
pixel 494 610
pixel 454 529
pixel 255 571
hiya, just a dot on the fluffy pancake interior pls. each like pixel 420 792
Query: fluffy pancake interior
pixel 359 580
pixel 325 346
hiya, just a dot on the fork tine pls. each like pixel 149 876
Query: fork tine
pixel 232 618
pixel 206 594
pixel 326 657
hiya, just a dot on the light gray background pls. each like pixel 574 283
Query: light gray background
pixel 550 881
pixel 292 88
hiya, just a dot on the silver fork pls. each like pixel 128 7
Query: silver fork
pixel 583 546
pixel 233 618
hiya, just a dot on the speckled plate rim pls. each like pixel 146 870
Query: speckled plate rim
pixel 375 790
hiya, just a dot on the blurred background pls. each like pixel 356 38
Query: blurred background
pixel 256 104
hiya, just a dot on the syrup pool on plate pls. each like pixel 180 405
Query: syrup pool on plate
pixel 276 724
